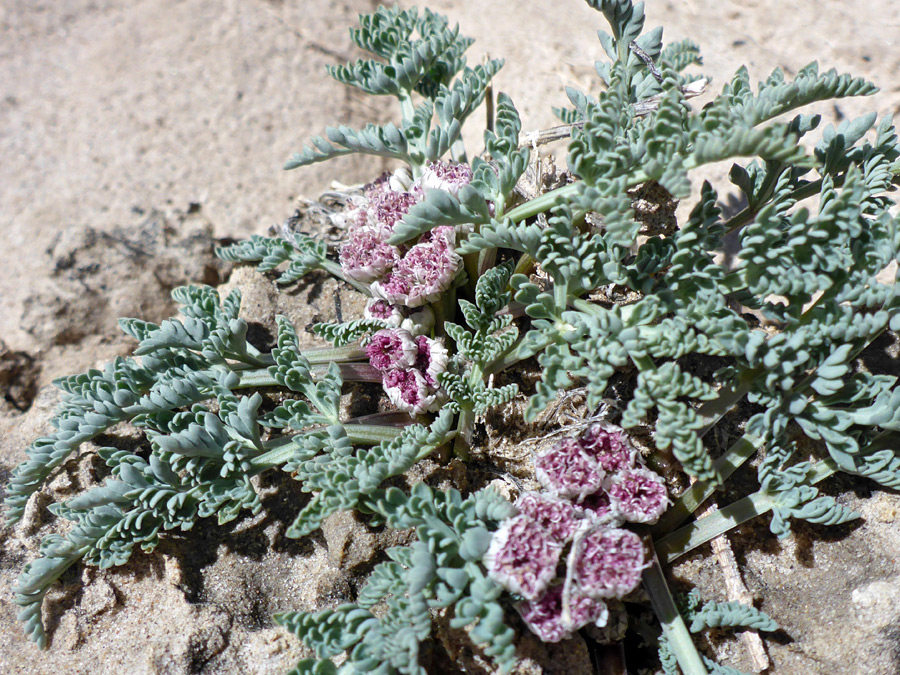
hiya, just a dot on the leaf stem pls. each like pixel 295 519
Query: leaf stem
pixel 350 372
pixel 369 434
pixel 540 204
pixel 710 526
pixel 518 351
pixel 673 625
pixel 329 354
pixel 335 270
pixel 691 499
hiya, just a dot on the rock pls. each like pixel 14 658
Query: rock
pixel 534 657
pixel 318 298
pixel 99 276
pixel 18 378
pixel 203 601
pixel 348 541
pixel 98 595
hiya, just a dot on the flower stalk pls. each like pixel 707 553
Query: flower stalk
pixel 673 625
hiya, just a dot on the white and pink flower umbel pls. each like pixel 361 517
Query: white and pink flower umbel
pixel 609 446
pixel 411 276
pixel 523 557
pixel 567 552
pixel 404 280
pixel 392 350
pixel 557 517
pixel 566 470
pixel 446 176
pixel 423 273
pixel 608 562
pixel 417 321
pixel 366 256
pixel 409 366
pixel 638 495
pixel 408 390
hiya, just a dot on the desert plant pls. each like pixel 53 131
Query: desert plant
pixel 467 279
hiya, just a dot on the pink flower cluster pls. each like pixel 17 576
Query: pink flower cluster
pixel 409 367
pixel 409 276
pixel 602 473
pixel 594 485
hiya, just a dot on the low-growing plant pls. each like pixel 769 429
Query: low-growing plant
pixel 469 277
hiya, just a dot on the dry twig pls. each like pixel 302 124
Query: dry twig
pixel 736 591
pixel 641 109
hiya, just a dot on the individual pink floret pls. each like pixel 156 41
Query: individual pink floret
pixel 557 517
pixel 608 562
pixel 609 446
pixel 566 470
pixel 390 349
pixel 409 391
pixel 447 176
pixel 522 557
pixel 365 256
pixel 383 311
pixel 638 495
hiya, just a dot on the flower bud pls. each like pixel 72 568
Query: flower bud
pixel 383 311
pixel 419 322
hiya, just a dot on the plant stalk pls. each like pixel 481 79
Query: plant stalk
pixel 350 372
pixel 673 625
pixel 335 270
pixel 370 434
pixel 710 526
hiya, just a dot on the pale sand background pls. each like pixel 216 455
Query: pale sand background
pixel 115 117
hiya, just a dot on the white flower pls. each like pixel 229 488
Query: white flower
pixel 419 322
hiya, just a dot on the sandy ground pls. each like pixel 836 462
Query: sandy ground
pixel 110 110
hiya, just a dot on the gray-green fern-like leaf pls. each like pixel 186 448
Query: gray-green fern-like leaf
pixel 732 615
pixel 303 254
pixel 440 207
pixel 382 141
